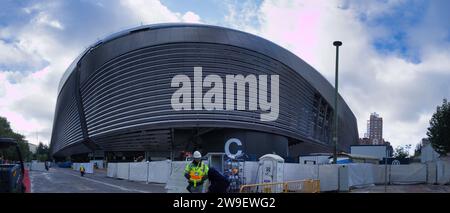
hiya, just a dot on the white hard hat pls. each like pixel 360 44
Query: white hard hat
pixel 197 155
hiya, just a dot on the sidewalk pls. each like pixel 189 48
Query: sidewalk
pixel 420 188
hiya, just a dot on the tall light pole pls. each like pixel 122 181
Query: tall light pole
pixel 337 44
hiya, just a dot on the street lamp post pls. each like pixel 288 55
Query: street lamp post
pixel 337 44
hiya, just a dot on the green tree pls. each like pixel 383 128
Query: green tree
pixel 439 130
pixel 418 149
pixel 42 152
pixel 402 151
pixel 7 132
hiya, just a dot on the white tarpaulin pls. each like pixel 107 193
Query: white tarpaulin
pixel 250 172
pixel 379 172
pixel 112 170
pixel 295 171
pixel 138 171
pixel 328 176
pixel 177 182
pixel 76 166
pixel 443 171
pixel 431 172
pixel 98 162
pixel 37 166
pixel 159 171
pixel 123 170
pixel 408 174
pixel 88 167
pixel 360 174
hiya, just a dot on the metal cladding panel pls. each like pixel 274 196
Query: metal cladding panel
pixel 134 89
pixel 125 84
pixel 66 126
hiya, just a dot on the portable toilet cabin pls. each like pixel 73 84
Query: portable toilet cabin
pixel 270 170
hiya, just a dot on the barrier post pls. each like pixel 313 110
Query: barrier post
pixel 385 171
pixel 436 182
pixel 148 171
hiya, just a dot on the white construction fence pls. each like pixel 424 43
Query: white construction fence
pixel 89 167
pixel 443 172
pixel 37 166
pixel 176 181
pixel 341 177
pixel 98 163
pixel 153 172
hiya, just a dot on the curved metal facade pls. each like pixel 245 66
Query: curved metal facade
pixel 116 95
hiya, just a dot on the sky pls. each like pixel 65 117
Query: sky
pixel 395 59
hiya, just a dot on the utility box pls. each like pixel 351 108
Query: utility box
pixel 270 170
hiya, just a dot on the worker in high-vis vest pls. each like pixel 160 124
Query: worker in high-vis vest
pixel 196 172
pixel 82 170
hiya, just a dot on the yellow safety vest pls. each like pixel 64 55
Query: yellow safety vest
pixel 196 172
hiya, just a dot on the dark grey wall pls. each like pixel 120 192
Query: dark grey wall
pixel 254 144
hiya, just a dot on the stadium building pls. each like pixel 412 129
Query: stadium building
pixel 116 99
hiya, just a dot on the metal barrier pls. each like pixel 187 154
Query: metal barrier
pixel 296 186
pixel 262 188
pixel 302 186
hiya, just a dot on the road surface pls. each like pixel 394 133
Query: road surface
pixel 60 180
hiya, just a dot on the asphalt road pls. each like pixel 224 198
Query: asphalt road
pixel 61 180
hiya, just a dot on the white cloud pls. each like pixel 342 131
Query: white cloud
pixel 27 98
pixel 191 17
pixel 45 19
pixel 148 12
pixel 405 94
pixel 11 54
pixel 242 17
pixel 27 104
pixel 373 9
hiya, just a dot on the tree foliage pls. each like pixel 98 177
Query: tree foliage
pixel 42 153
pixel 402 152
pixel 439 130
pixel 418 149
pixel 7 132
